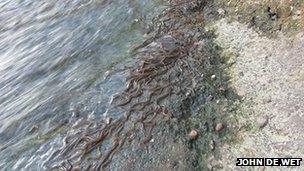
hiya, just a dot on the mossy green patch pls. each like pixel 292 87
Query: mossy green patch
pixel 267 16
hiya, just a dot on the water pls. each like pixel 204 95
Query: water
pixel 53 56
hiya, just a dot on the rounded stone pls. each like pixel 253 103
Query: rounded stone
pixel 262 121
pixel 219 127
pixel 193 134
pixel 213 77
pixel 212 145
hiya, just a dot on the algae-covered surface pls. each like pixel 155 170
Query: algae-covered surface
pixel 268 17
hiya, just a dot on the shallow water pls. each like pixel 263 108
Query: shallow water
pixel 53 56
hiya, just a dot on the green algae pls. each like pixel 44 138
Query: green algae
pixel 268 17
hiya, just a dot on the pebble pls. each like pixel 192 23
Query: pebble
pixel 212 144
pixel 212 77
pixel 262 121
pixel 168 42
pixel 193 134
pixel 108 120
pixel 221 11
pixel 219 127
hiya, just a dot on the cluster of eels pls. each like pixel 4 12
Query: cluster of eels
pixel 162 70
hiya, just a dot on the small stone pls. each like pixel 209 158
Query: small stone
pixel 213 77
pixel 107 74
pixel 108 120
pixel 167 42
pixel 222 88
pixel 212 145
pixel 262 121
pixel 219 127
pixel 221 11
pixel 193 134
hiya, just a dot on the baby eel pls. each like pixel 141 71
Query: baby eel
pixel 158 73
pixel 164 96
pixel 158 87
pixel 141 106
pixel 149 136
pixel 135 94
pixel 151 122
pixel 92 144
pixel 71 145
pixel 109 155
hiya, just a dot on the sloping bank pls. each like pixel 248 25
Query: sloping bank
pixel 264 40
pixel 179 110
pixel 171 112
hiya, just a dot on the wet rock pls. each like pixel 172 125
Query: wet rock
pixel 193 134
pixel 213 77
pixel 168 43
pixel 218 127
pixel 262 121
pixel 212 145
pixel 108 120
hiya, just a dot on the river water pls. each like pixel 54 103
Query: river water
pixel 53 56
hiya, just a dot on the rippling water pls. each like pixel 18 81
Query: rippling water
pixel 53 55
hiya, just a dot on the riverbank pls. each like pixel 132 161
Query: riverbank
pixel 213 97
pixel 203 83
pixel 264 41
